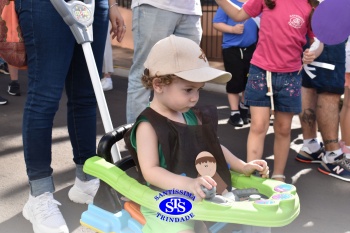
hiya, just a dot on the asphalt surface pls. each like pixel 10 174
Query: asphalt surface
pixel 324 200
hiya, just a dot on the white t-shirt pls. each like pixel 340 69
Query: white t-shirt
pixel 347 54
pixel 186 7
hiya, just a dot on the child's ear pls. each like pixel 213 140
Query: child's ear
pixel 157 85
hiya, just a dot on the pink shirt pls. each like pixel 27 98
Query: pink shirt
pixel 282 34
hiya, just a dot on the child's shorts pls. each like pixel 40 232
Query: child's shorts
pixel 155 225
pixel 286 90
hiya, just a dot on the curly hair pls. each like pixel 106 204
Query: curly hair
pixel 147 80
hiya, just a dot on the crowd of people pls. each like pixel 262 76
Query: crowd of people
pixel 266 79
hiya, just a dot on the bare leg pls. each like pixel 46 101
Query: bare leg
pixel 282 128
pixel 233 100
pixel 259 125
pixel 345 117
pixel 308 115
pixel 328 119
pixel 13 73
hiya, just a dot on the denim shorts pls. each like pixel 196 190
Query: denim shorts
pixel 286 89
pixel 326 80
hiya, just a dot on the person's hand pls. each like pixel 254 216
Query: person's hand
pixel 256 165
pixel 308 56
pixel 238 28
pixel 118 25
pixel 195 185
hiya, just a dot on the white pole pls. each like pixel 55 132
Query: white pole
pixel 100 97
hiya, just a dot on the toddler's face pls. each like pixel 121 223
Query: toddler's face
pixel 181 95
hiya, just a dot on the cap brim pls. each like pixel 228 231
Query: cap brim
pixel 205 74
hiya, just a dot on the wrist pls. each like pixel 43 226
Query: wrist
pixel 233 29
pixel 113 5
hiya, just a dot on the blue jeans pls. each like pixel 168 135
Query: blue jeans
pixel 149 25
pixel 56 62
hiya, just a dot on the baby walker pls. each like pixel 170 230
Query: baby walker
pixel 117 203
pixel 116 207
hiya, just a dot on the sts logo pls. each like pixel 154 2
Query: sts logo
pixel 175 205
pixel 175 208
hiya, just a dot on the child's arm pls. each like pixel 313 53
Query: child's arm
pixel 233 11
pixel 223 27
pixel 147 153
pixel 247 169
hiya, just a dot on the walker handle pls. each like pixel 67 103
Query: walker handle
pixel 78 16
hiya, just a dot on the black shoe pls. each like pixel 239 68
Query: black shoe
pixel 14 89
pixel 244 115
pixel 236 120
pixel 3 101
pixel 4 68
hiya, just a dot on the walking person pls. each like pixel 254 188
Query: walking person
pixel 56 62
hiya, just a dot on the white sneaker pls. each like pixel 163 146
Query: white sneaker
pixel 107 84
pixel 42 211
pixel 83 192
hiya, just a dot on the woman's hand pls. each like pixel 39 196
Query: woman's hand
pixel 256 165
pixel 118 25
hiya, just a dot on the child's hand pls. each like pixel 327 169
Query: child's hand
pixel 256 165
pixel 238 28
pixel 195 185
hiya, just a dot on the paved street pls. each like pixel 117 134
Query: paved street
pixel 324 200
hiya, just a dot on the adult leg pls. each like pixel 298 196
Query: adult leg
pixel 328 119
pixel 146 32
pixel 308 115
pixel 312 150
pixel 345 117
pixel 47 69
pixel 82 108
pixel 334 163
pixel 49 48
